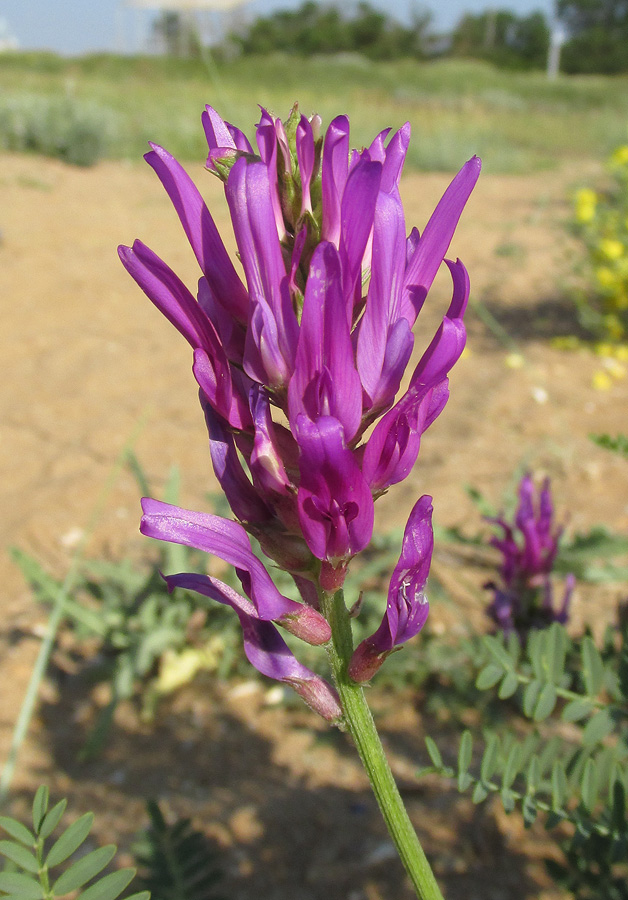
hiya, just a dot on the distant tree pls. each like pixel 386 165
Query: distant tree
pixel 315 28
pixel 177 34
pixel 597 35
pixel 503 38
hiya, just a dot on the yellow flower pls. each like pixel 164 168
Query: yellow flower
pixel 606 277
pixel 611 248
pixel 601 380
pixel 620 156
pixel 586 201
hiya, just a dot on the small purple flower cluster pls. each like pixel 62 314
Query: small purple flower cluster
pixel 297 361
pixel 524 599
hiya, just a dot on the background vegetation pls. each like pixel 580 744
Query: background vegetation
pixel 112 105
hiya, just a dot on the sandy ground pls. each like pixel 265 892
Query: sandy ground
pixel 90 366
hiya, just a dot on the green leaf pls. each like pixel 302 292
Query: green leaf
pixel 109 887
pixel 592 666
pixel 538 652
pixel 18 854
pixel 52 819
pixel 434 753
pixel 576 710
pixel 529 810
pixel 509 685
pixel 464 781
pixel 533 776
pixel 530 697
pixel 84 870
pixel 545 703
pixel 489 676
pixel 489 759
pixel 22 885
pixel 589 786
pixel 597 728
pixel 40 806
pixel 18 831
pixel 465 752
pixel 480 793
pixel 70 840
pixel 141 895
pixel 511 769
pixel 557 649
pixel 508 800
pixel 496 648
pixel 560 786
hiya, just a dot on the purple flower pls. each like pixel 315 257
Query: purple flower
pixel 407 606
pixel 524 598
pixel 265 649
pixel 336 509
pixel 229 542
pixel 296 362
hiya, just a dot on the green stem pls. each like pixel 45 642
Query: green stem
pixel 361 726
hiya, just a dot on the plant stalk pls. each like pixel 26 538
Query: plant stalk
pixel 360 724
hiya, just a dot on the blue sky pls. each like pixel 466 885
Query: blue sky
pixel 79 26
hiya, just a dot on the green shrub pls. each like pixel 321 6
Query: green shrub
pixel 75 132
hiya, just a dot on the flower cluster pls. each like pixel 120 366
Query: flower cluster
pixel 529 546
pixel 602 223
pixel 297 361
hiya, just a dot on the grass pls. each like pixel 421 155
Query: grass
pixel 517 122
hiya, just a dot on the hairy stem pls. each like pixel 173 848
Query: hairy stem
pixel 361 726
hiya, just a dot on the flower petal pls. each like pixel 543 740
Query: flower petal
pixel 434 242
pixel 335 503
pixel 325 381
pixel 201 232
pixel 407 607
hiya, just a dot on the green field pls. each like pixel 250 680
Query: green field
pixel 517 122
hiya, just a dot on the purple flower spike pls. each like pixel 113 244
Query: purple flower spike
pixel 524 598
pixel 407 607
pixel 229 542
pixel 335 503
pixel 299 366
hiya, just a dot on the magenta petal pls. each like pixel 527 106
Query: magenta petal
pixel 267 651
pixel 201 231
pixel 222 538
pixel 407 607
pixel 335 503
pixel 382 313
pixel 356 222
pixel 212 588
pixel 334 176
pixel 305 159
pixel 215 378
pixel 266 464
pixel 273 329
pixel 435 240
pixel 216 130
pixel 395 157
pixel 168 293
pixel 325 381
pixel 247 505
pixel 265 648
pixel 221 134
